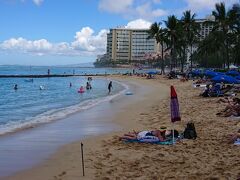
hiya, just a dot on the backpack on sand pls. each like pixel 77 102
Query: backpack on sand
pixel 190 132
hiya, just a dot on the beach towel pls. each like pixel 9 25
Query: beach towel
pixel 156 142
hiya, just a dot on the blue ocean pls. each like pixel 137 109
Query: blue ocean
pixel 28 105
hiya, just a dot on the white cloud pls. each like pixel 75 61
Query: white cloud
pixel 198 5
pixel 133 9
pixel 85 40
pixel 85 43
pixel 38 2
pixel 138 24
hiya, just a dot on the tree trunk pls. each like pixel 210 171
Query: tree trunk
pixel 183 59
pixel 227 55
pixel 162 63
pixel 191 57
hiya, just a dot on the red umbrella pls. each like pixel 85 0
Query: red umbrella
pixel 175 114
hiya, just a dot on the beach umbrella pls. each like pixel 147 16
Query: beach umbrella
pixel 225 79
pixel 233 73
pixel 196 72
pixel 210 73
pixel 175 113
pixel 152 72
pixel 237 77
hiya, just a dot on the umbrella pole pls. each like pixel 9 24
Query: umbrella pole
pixel 173 132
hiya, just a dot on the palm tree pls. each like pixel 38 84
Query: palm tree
pixel 190 28
pixel 225 21
pixel 158 33
pixel 208 53
pixel 172 33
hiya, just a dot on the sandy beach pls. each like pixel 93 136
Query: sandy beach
pixel 207 157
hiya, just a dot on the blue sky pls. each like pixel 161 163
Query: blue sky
pixel 57 32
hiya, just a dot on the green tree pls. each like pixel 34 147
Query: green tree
pixel 159 34
pixel 224 24
pixel 191 29
pixel 172 34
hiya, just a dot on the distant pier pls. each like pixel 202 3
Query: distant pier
pixel 49 76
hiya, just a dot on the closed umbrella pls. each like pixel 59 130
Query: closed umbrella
pixel 175 113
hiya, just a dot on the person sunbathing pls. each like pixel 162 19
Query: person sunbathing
pixel 158 135
pixel 230 100
pixel 232 109
pixel 225 100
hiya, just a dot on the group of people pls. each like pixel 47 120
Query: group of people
pixel 228 94
pixel 216 90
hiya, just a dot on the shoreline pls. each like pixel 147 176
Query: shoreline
pixel 124 101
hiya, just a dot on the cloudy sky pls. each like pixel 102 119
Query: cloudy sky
pixel 57 32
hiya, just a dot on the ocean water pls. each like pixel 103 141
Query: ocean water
pixel 28 105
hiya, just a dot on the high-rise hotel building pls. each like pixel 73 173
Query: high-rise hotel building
pixel 206 26
pixel 129 45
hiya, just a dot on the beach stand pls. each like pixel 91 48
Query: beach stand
pixel 175 114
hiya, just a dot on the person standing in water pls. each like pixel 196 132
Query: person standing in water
pixel 15 87
pixel 70 84
pixel 88 86
pixel 110 87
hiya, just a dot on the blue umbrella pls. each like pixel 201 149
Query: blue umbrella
pixel 196 72
pixel 152 72
pixel 225 79
pixel 210 73
pixel 237 77
pixel 233 73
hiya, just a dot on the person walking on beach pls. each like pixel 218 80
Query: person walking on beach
pixel 110 87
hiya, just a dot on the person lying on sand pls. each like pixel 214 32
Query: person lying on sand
pixel 230 100
pixel 233 137
pixel 162 135
pixel 232 109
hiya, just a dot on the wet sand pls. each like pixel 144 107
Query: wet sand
pixel 207 157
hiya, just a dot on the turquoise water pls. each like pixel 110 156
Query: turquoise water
pixel 29 105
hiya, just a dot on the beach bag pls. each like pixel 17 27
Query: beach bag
pixel 190 131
